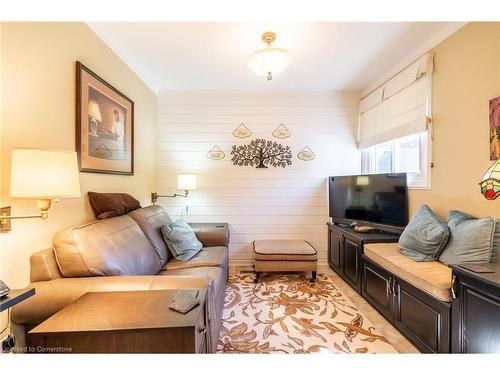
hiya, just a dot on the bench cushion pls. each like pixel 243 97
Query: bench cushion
pixel 431 277
pixel 293 250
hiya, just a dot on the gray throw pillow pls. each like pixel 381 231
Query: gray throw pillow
pixel 425 236
pixel 181 240
pixel 471 239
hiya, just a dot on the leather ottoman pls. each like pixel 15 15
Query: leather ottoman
pixel 284 256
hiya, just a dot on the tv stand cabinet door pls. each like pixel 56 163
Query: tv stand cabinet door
pixel 376 288
pixel 424 320
pixel 334 244
pixel 352 262
pixel 475 327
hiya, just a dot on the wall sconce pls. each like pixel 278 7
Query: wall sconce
pixel 44 175
pixel 185 182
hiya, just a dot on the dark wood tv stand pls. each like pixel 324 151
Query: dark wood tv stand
pixel 345 248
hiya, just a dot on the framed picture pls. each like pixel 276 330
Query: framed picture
pixel 495 128
pixel 104 125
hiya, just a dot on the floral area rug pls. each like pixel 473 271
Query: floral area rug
pixel 288 314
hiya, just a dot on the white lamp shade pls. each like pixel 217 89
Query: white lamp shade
pixel 269 60
pixel 186 182
pixel 44 174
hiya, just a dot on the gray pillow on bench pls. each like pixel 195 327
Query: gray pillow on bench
pixel 425 236
pixel 471 239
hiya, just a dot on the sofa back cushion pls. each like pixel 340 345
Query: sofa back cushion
pixel 110 247
pixel 425 236
pixel 471 239
pixel 151 219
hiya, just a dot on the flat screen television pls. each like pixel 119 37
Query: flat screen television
pixel 378 200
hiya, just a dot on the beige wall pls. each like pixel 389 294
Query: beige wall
pixel 273 203
pixel 466 76
pixel 38 91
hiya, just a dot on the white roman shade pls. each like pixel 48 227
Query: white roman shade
pixel 398 107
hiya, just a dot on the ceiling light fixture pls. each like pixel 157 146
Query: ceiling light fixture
pixel 269 61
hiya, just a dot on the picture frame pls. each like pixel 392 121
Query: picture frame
pixel 495 128
pixel 104 125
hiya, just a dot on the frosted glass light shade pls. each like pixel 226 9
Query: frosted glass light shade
pixel 269 60
pixel 186 182
pixel 44 174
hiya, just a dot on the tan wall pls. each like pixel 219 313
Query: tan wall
pixel 38 91
pixel 466 76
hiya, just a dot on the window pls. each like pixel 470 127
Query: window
pixel 408 154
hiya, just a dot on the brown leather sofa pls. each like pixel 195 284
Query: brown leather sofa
pixel 120 254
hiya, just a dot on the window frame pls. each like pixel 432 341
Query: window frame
pixel 422 180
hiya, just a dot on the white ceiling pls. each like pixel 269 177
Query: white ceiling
pixel 213 56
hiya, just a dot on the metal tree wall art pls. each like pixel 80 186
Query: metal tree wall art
pixel 262 153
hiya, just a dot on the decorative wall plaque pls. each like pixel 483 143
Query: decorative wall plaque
pixel 306 154
pixel 281 132
pixel 216 153
pixel 242 131
pixel 262 153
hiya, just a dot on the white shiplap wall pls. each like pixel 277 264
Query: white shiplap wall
pixel 273 203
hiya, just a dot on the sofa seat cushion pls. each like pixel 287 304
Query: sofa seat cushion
pixel 52 296
pixel 215 256
pixel 110 247
pixel 213 273
pixel 151 219
pixel 292 250
pixel 432 277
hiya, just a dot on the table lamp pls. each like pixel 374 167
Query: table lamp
pixel 185 182
pixel 44 175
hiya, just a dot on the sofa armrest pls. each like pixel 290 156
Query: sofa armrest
pixel 212 234
pixel 43 266
pixel 51 296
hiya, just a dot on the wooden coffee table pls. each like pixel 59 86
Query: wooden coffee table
pixel 123 322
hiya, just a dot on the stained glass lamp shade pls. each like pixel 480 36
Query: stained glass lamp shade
pixel 490 183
